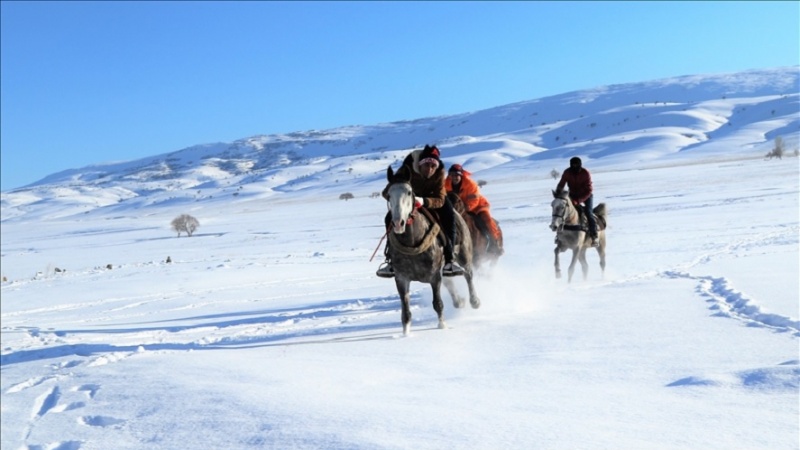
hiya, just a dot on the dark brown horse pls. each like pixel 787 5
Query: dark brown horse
pixel 480 243
pixel 417 252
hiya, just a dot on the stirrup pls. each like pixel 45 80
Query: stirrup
pixel 452 269
pixel 386 270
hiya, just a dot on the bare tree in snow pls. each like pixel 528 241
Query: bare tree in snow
pixel 185 223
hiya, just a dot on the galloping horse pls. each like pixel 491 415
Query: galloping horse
pixel 417 253
pixel 570 233
pixel 480 244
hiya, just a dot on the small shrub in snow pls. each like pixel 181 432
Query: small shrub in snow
pixel 346 196
pixel 778 150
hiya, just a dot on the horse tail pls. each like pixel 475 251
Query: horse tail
pixel 601 213
pixel 601 210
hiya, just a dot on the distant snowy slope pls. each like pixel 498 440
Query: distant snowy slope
pixel 723 115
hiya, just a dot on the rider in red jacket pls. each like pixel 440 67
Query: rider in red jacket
pixel 579 182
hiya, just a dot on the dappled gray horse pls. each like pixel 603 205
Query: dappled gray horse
pixel 417 253
pixel 571 234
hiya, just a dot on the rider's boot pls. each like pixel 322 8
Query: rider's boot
pixel 595 240
pixel 451 268
pixel 386 270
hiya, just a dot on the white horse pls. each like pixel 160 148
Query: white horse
pixel 571 234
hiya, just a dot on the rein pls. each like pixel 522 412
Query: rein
pixel 425 244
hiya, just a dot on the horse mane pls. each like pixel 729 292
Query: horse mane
pixel 458 204
pixel 562 195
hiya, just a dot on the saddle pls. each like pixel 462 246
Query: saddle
pixel 584 221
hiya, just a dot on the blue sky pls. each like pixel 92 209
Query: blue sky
pixel 93 82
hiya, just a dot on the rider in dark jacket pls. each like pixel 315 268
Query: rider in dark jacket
pixel 579 182
pixel 427 182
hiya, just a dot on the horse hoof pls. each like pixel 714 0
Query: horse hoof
pixel 442 326
pixel 475 302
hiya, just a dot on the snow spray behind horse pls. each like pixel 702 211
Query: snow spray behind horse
pixel 417 251
pixel 571 233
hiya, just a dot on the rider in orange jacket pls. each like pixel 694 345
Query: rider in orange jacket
pixel 459 182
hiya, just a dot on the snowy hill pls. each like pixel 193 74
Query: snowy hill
pixel 646 124
pixel 268 329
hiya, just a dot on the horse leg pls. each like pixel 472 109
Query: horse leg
pixel 405 315
pixel 601 250
pixel 584 264
pixel 558 265
pixel 474 301
pixel 438 304
pixel 458 300
pixel 571 268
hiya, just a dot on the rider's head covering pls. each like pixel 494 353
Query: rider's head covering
pixel 457 169
pixel 575 163
pixel 430 155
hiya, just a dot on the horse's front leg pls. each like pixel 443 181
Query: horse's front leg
pixel 438 304
pixel 557 251
pixel 405 302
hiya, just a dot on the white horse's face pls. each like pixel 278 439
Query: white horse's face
pixel 559 206
pixel 401 205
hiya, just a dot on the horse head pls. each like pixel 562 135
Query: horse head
pixel 401 198
pixel 560 205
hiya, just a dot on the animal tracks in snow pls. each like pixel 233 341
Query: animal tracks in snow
pixel 729 302
pixel 54 400
pixel 47 402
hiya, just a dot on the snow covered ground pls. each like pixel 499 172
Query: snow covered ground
pixel 269 328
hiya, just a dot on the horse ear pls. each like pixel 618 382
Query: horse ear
pixel 389 173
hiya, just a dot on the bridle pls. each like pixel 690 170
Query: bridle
pixel 427 240
pixel 564 214
pixel 409 219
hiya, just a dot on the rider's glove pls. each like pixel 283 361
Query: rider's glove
pixel 419 201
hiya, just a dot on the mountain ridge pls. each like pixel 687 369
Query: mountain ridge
pixel 722 114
